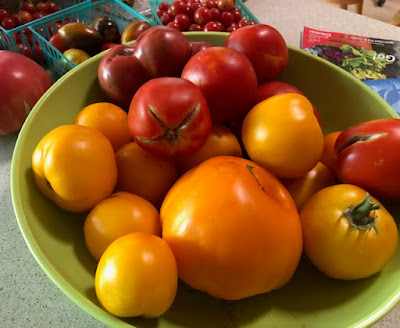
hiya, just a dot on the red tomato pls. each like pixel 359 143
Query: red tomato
pixel 22 83
pixel 58 43
pixel 51 7
pixel 121 74
pixel 4 13
pixel 227 79
pixel 24 17
pixel 163 51
pixel 8 23
pixel 368 156
pixel 273 88
pixel 169 116
pixel 28 6
pixel 264 46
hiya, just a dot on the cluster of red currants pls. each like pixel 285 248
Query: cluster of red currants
pixel 28 12
pixel 206 15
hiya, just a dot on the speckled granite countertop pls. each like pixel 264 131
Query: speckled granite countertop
pixel 27 296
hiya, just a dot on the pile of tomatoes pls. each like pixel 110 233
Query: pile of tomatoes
pixel 28 13
pixel 218 175
pixel 207 15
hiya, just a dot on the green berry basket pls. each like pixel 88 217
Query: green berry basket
pixel 46 27
pixel 20 39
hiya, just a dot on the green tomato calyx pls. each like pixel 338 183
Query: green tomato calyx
pixel 360 217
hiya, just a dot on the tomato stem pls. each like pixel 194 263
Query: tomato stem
pixel 359 215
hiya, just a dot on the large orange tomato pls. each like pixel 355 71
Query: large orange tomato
pixel 120 214
pixel 283 135
pixel 137 276
pixel 75 167
pixel 347 233
pixel 233 227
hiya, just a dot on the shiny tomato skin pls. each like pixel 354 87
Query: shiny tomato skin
pixel 75 167
pixel 283 135
pixel 118 215
pixel 337 248
pixel 137 276
pixel 163 51
pixel 169 116
pixel 22 83
pixel 120 75
pixel 373 163
pixel 264 46
pixel 227 79
pixel 58 43
pixel 233 228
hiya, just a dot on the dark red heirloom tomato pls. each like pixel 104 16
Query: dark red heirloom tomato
pixel 227 80
pixel 264 46
pixel 121 74
pixel 368 156
pixel 163 51
pixel 169 116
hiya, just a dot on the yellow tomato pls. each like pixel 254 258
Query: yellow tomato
pixel 144 174
pixel 119 215
pixel 347 233
pixel 283 135
pixel 109 119
pixel 75 167
pixel 304 187
pixel 137 276
pixel 220 142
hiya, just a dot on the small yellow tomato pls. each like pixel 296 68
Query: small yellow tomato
pixel 347 234
pixel 220 142
pixel 107 118
pixel 304 187
pixel 283 135
pixel 75 167
pixel 119 215
pixel 137 276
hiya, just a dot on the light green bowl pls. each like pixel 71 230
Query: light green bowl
pixel 310 299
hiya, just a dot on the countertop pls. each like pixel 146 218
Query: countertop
pixel 27 296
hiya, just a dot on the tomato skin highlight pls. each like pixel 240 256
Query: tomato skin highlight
pixel 334 246
pixel 367 156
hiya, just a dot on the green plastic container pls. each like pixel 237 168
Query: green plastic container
pixel 310 299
